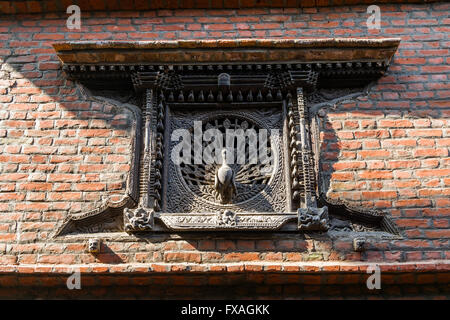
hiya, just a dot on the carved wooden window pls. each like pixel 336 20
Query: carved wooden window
pixel 260 87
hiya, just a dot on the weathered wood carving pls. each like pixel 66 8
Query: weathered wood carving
pixel 204 124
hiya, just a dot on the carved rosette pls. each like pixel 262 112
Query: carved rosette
pixel 226 218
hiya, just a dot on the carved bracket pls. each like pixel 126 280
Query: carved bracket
pixel 139 219
pixel 313 219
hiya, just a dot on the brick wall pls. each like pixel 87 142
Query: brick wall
pixel 61 150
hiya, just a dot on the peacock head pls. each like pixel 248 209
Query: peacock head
pixel 224 156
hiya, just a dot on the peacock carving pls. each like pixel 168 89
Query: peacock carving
pixel 224 181
pixel 228 181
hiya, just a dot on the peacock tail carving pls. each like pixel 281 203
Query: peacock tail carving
pixel 248 179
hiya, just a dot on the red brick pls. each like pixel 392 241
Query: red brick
pixel 376 174
pixel 182 257
pixel 432 173
pixel 374 154
pixel 379 194
pixel 413 203
pixel 237 256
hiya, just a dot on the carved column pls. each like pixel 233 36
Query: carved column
pixel 309 216
pixel 156 139
pixel 145 158
pixel 141 218
pixel 305 152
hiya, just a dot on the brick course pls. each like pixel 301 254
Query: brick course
pixel 62 151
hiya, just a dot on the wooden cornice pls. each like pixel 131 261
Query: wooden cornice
pixel 228 51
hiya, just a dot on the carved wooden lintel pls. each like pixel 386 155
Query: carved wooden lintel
pixel 306 219
pixel 225 220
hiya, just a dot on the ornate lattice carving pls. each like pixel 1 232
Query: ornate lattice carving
pixel 278 80
pixel 250 178
pixel 169 80
pixel 260 186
